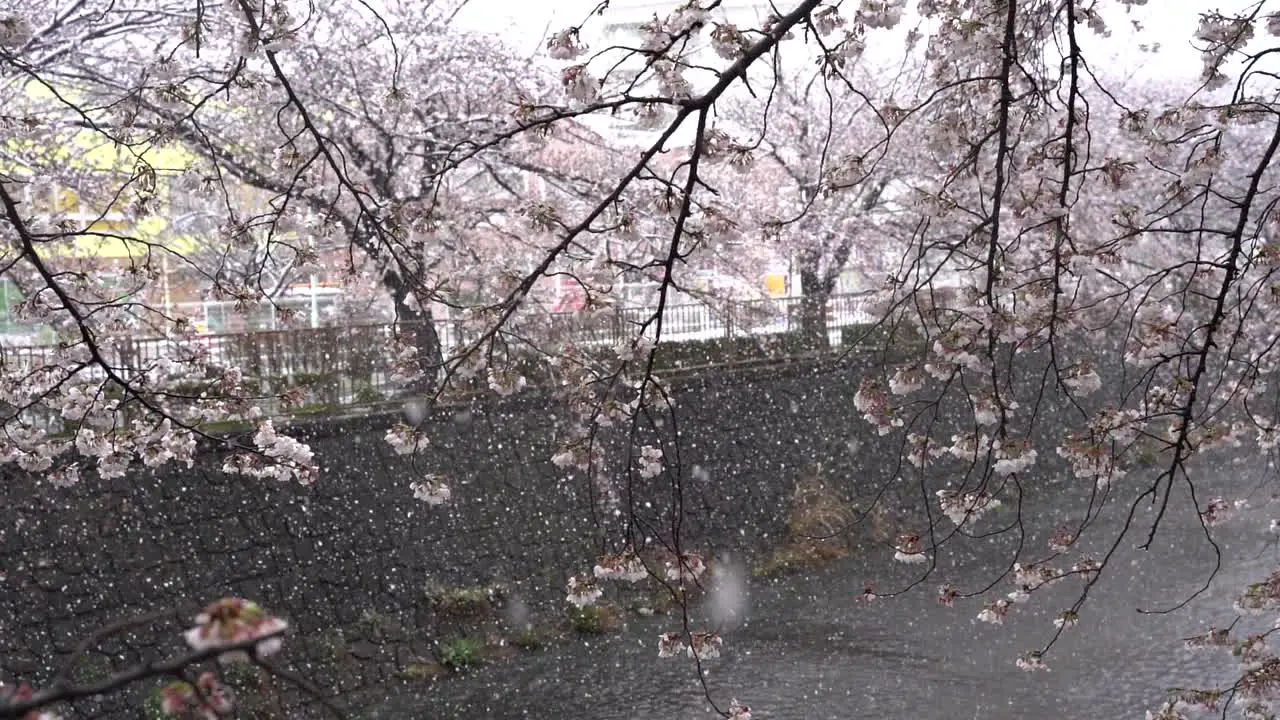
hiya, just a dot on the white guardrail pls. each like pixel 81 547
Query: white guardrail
pixel 683 322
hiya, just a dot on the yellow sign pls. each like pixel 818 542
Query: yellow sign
pixel 776 284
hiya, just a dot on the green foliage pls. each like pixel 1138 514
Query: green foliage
pixel 151 706
pixel 594 619
pixel 461 654
pixel 421 671
pixel 92 668
pixel 462 603
pixel 527 639
pixel 366 395
pixel 240 675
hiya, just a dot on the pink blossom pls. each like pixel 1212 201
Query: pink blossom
pixel 583 590
pixel 868 592
pixel 432 490
pixel 1031 662
pixel 626 567
pixel 704 645
pixel 233 621
pixel 579 85
pixel 688 566
pixel 564 45
pixel 1066 619
pixel 1215 512
pixel 994 612
pixel 670 644
pixel 1061 540
pixel 908 550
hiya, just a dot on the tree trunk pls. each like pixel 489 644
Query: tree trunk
pixel 813 311
pixel 419 328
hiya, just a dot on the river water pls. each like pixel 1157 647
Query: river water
pixel 809 649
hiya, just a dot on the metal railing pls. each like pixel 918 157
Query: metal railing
pixel 350 361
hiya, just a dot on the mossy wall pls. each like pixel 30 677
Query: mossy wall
pixel 355 545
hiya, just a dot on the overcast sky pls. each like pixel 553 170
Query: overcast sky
pixel 1169 22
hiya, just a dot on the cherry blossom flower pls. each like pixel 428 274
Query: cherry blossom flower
pixel 1034 576
pixel 728 42
pixel 827 20
pixel 209 700
pixel 908 550
pixel 1031 662
pixel 873 402
pixel 962 507
pixel 994 612
pixel 233 621
pixel 1213 638
pixel 432 490
pixel 583 590
pixel 906 380
pixel 404 439
pixel 1066 619
pixel 1216 512
pixel 771 22
pixel 20 693
pixel 1086 567
pixel 1014 456
pixel 854 44
pixel 1061 540
pixel 1168 711
pixel 704 645
pixel 579 85
pixel 281 458
pixel 1083 379
pixel 985 410
pixel 567 458
pixel 1252 652
pixel 947 595
pixel 967 446
pixel 505 382
pixel 1020 596
pixel 689 16
pixel 1261 597
pixel 671 80
pixel 650 461
pixel 1091 460
pixel 687 567
pixel 564 45
pixel 868 592
pixel 1273 24
pixel 1261 683
pixel 626 567
pixel 922 450
pixel 670 644
pixel 738 711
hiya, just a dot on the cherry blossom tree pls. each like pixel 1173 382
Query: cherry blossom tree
pixel 820 183
pixel 1069 207
pixel 1156 243
pixel 227 631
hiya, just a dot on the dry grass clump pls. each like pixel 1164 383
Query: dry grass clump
pixel 818 522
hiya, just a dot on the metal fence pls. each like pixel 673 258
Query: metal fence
pixel 348 364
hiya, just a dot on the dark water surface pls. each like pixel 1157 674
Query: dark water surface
pixel 810 650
